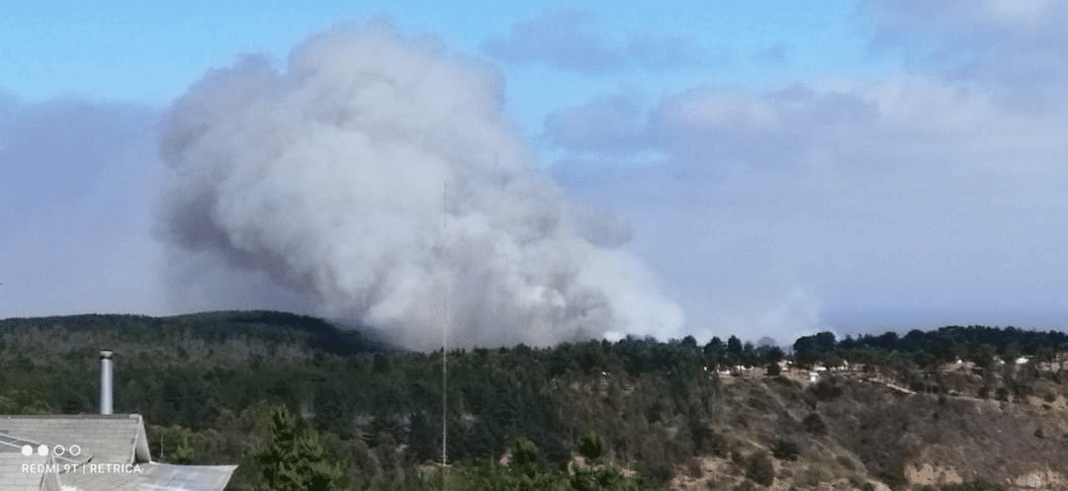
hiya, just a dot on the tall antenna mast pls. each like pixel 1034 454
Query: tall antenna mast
pixel 444 338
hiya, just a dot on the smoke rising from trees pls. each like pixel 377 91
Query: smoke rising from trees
pixel 322 188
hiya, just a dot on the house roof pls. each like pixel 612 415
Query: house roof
pixel 161 477
pixel 102 438
pixel 89 453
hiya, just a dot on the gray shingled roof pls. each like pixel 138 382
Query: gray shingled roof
pixel 12 475
pixel 161 477
pixel 103 438
pixel 112 455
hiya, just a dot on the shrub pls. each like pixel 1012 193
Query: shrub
pixel 814 424
pixel 847 463
pixel 602 479
pixel 760 469
pixel 786 449
pixel 826 391
pixel 591 446
pixel 1003 394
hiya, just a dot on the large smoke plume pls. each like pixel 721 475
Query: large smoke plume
pixel 328 180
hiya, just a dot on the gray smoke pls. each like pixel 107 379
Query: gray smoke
pixel 323 188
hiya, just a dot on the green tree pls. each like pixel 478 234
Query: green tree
pixel 734 346
pixel 591 446
pixel 293 459
pixel 603 479
pixel 525 472
pixel 185 453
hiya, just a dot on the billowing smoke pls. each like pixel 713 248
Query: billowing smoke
pixel 377 179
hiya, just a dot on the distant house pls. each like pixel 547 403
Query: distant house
pixel 92 453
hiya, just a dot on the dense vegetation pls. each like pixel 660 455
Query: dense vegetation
pixel 210 386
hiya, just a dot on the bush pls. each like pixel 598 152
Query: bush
pixel 760 469
pixel 814 424
pixel 786 449
pixel 1003 394
pixel 847 463
pixel 591 446
pixel 826 391
pixel 603 479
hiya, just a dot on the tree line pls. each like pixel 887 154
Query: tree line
pixel 206 384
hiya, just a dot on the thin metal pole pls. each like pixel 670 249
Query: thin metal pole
pixel 444 341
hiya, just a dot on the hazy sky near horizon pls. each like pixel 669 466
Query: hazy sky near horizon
pixel 783 168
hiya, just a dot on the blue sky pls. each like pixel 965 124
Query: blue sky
pixel 150 53
pixel 780 169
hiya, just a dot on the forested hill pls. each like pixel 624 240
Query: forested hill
pixel 673 414
pixel 222 326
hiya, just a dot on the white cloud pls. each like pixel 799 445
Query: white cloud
pixel 849 202
pixel 567 40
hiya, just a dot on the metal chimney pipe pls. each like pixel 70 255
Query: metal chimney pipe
pixel 105 382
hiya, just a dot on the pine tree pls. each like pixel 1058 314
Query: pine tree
pixel 293 459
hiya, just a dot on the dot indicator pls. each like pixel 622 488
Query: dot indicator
pixel 27 450
pixel 75 450
pixel 59 450
pixel 42 450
